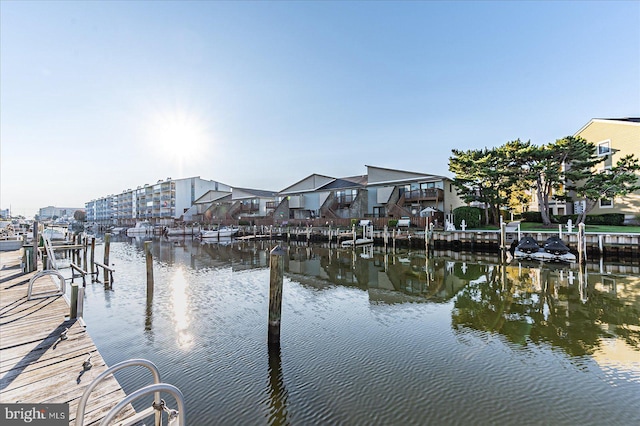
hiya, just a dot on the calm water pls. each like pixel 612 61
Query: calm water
pixel 372 338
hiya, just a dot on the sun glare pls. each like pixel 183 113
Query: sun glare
pixel 178 136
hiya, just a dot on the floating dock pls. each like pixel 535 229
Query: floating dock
pixel 41 363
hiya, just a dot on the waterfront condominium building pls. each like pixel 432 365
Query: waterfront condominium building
pixel 161 203
pixel 614 138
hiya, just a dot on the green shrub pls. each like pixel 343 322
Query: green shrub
pixel 532 217
pixel 354 222
pixel 471 216
pixel 612 219
pixel 393 223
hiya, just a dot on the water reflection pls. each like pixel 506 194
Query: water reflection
pixel 180 308
pixel 277 403
pixel 495 341
pixel 526 302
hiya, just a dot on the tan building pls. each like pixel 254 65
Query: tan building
pixel 614 138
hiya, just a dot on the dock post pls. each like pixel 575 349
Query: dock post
pixel 34 253
pixel 85 246
pixel 276 266
pixel 107 246
pixel 149 257
pixel 582 257
pixel 93 258
pixel 560 230
pixel 75 302
pixel 503 240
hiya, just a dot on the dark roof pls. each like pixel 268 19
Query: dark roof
pixel 258 192
pixel 347 182
pixel 629 119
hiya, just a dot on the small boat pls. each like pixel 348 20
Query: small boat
pixel 219 233
pixel 357 242
pixel 187 230
pixel 528 248
pixel 141 228
pixel 555 245
pixel 10 243
pixel 117 230
pixel 528 245
pixel 53 234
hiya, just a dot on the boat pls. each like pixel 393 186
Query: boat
pixel 53 234
pixel 528 248
pixel 528 245
pixel 555 246
pixel 357 242
pixel 186 230
pixel 10 243
pixel 219 233
pixel 141 228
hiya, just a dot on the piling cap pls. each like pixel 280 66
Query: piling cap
pixel 278 251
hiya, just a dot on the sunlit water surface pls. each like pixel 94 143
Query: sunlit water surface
pixel 372 338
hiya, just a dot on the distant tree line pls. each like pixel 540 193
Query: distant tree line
pixel 504 176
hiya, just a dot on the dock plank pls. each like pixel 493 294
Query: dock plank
pixel 36 365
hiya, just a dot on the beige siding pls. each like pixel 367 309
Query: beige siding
pixel 624 138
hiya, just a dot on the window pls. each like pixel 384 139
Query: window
pixel 604 148
pixel 606 203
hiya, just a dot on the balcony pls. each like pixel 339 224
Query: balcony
pixel 345 200
pixel 248 208
pixel 424 194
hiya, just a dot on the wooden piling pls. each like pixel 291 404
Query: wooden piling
pixel 94 273
pixel 503 241
pixel 149 256
pixel 107 244
pixel 276 265
pixel 582 257
pixel 73 304
pixel 34 253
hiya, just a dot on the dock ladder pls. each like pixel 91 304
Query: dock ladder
pixel 174 417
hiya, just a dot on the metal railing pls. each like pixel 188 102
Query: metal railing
pixel 174 417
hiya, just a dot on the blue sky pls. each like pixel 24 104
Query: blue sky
pixel 98 97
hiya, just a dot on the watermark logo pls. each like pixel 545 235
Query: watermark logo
pixel 34 414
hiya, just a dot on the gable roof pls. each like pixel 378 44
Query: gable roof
pixel 211 196
pixel 239 193
pixel 308 184
pixel 632 121
pixel 382 175
pixel 347 182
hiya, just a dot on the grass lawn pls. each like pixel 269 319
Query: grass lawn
pixel 532 226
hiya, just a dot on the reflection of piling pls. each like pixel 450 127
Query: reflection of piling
pixel 278 411
pixel 149 256
pixel 276 265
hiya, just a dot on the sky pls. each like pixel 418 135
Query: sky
pixel 100 97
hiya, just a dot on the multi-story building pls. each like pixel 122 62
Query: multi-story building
pixel 382 192
pixel 161 203
pixel 614 138
pixel 51 212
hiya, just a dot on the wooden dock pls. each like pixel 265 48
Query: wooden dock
pixel 38 366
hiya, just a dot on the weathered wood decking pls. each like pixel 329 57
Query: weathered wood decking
pixel 36 365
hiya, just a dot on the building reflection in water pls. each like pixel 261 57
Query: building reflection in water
pixel 581 311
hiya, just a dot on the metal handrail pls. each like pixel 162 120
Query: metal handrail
pixel 61 291
pixel 124 364
pixel 178 415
